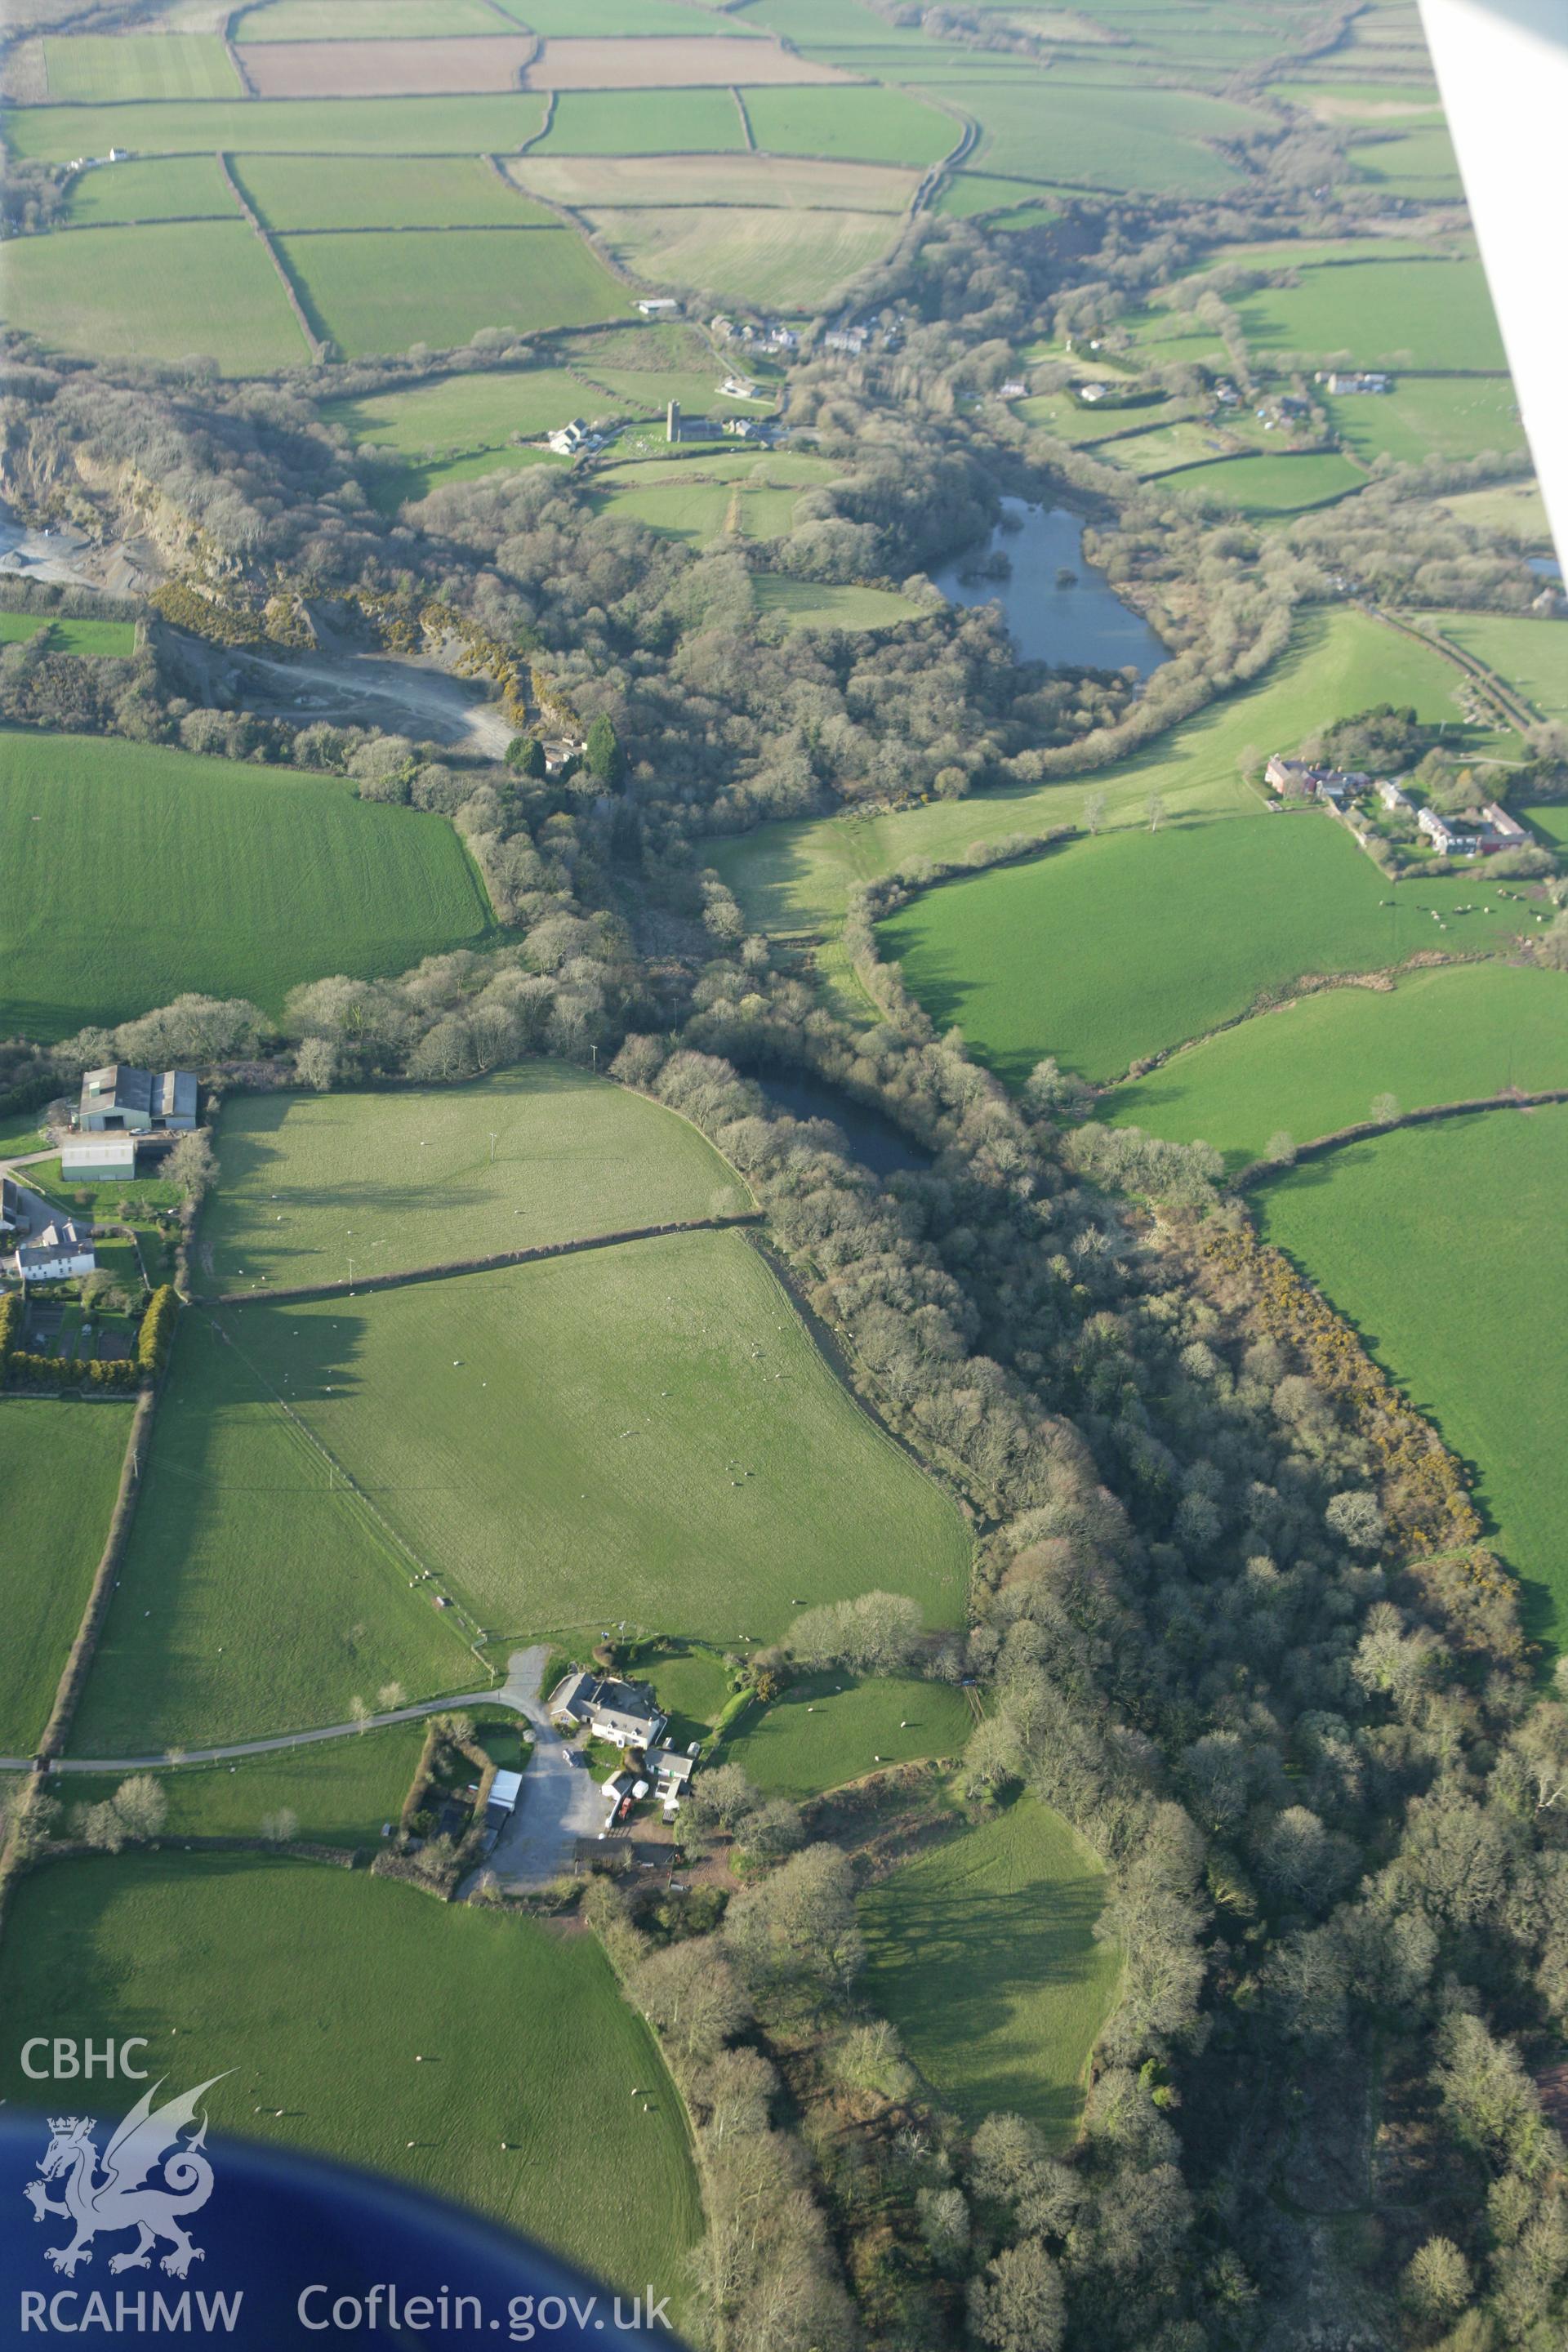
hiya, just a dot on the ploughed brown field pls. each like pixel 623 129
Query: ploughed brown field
pixel 669 61
pixel 387 68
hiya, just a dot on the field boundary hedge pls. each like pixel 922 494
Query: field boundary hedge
pixel 74 1675
pixel 314 342
pixel 483 1265
pixel 1365 1128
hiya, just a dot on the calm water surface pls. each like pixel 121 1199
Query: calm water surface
pixel 1085 623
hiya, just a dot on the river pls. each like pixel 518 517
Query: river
pixel 1085 623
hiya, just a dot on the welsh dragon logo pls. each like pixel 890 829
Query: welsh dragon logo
pixel 120 2197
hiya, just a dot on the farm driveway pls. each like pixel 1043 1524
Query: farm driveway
pixel 560 1802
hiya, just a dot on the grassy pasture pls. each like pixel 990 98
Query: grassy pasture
pixel 1551 822
pixel 794 876
pixel 369 297
pixel 1040 127
pixel 817 604
pixel 607 20
pixel 411 1177
pixel 343 192
pixel 647 1432
pixel 339 1791
pixel 874 126
pixel 161 293
pixel 1430 417
pixel 1530 655
pixel 459 416
pixel 1420 162
pixel 111 640
pixel 788 182
pixel 983 1955
pixel 1271 485
pixel 60 1470
pixel 1120 945
pixel 90 68
pixel 1429 314
pixel 642 122
pixel 291 126
pixel 1479 1350
pixel 114 639
pixel 1314 1067
pixel 697 502
pixel 319 1986
pixel 180 187
pixel 367 20
pixel 1509 510
pixel 257 1594
pixel 190 873
pixel 827 1729
pixel 790 261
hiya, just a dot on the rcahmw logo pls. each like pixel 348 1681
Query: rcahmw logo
pixel 148 2179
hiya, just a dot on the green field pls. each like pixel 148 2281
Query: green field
pixel 186 290
pixel 60 1470
pixel 1430 417
pixel 175 187
pixel 366 293
pixel 1440 1036
pixel 723 1463
pixel 983 1955
pixel 699 499
pixel 645 1432
pixel 605 19
pixel 112 640
pixel 258 1594
pixel 339 1791
pixel 791 260
pixel 643 123
pixel 818 605
pixel 1271 485
pixel 1550 820
pixel 319 1988
pixel 344 192
pixel 1427 314
pixel 1043 128
pixel 367 20
pixel 1529 654
pixel 1120 945
pixel 1509 510
pixel 1420 162
pixel 829 1729
pixel 190 873
pixel 794 875
pixel 421 1176
pixel 691 1686
pixel 90 68
pixel 462 414
pixel 873 126
pixel 492 125
pixel 1479 1346
pixel 115 639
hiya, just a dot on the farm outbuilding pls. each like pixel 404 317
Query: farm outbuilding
pixel 98 1156
pixel 119 1098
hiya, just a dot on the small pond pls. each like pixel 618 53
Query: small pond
pixel 1546 567
pixel 1022 567
pixel 874 1140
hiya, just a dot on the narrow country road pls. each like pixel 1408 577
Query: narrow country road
pixel 500 1694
